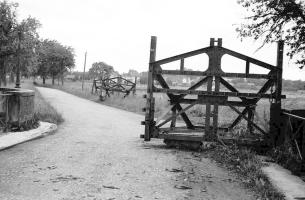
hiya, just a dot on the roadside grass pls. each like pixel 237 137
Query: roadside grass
pixel 43 110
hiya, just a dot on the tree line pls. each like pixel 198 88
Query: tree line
pixel 21 48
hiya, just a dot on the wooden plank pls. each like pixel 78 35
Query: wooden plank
pixel 182 137
pixel 234 103
pixel 149 118
pixel 173 122
pixel 251 60
pixel 208 107
pixel 200 92
pixel 215 111
pixel 205 73
pixel 264 89
pixel 179 113
pixel 238 119
pixel 243 116
pixel 181 130
pixel 250 119
pixel 182 64
pixel 229 87
pixel 172 96
pixel 279 64
pixel 294 116
pixel 180 56
pixel 193 87
pixel 247 68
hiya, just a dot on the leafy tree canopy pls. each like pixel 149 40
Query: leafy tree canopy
pixel 274 20
pixel 100 70
pixel 54 58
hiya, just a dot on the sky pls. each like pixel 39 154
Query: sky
pixel 118 31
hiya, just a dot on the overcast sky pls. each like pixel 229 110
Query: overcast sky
pixel 118 31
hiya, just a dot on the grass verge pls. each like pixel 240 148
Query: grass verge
pixel 43 110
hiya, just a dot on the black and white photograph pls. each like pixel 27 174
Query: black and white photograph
pixel 152 100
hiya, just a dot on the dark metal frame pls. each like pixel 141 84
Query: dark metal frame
pixel 213 77
pixel 116 84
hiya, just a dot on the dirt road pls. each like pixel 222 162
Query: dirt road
pixel 97 154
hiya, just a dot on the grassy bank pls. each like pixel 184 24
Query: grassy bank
pixel 43 110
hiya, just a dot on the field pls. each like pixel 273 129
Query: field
pixel 135 103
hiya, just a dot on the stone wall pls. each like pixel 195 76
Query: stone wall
pixel 16 105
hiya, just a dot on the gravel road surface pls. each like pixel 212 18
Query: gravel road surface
pixel 97 154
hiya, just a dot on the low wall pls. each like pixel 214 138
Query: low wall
pixel 16 105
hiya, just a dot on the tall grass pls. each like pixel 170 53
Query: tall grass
pixel 43 111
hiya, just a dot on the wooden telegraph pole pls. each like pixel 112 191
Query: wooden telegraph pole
pixel 84 70
pixel 18 61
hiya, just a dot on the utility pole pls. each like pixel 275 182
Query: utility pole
pixel 18 61
pixel 84 70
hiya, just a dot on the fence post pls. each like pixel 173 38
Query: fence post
pixel 149 117
pixel 276 123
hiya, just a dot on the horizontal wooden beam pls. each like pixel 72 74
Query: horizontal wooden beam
pixel 292 115
pixel 234 103
pixel 174 116
pixel 206 73
pixel 182 56
pixel 199 92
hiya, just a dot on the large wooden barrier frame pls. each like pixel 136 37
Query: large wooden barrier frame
pixel 213 77
pixel 115 84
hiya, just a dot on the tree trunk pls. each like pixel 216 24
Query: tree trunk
pixel 62 79
pixel 53 79
pixel 3 72
pixel 43 80
pixel 12 77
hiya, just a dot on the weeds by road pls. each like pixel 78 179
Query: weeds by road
pixel 43 110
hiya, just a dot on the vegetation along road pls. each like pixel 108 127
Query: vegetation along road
pixel 97 154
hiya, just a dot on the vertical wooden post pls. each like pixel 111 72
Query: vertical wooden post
pixel 18 63
pixel 276 119
pixel 208 107
pixel 247 68
pixel 250 119
pixel 279 64
pixel 216 64
pixel 215 111
pixel 135 86
pixel 173 122
pixel 182 65
pixel 84 70
pixel 149 117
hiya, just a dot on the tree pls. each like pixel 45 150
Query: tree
pixel 133 73
pixel 54 59
pixel 100 70
pixel 8 23
pixel 17 41
pixel 274 20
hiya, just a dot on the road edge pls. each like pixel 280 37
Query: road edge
pixel 291 186
pixel 14 138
